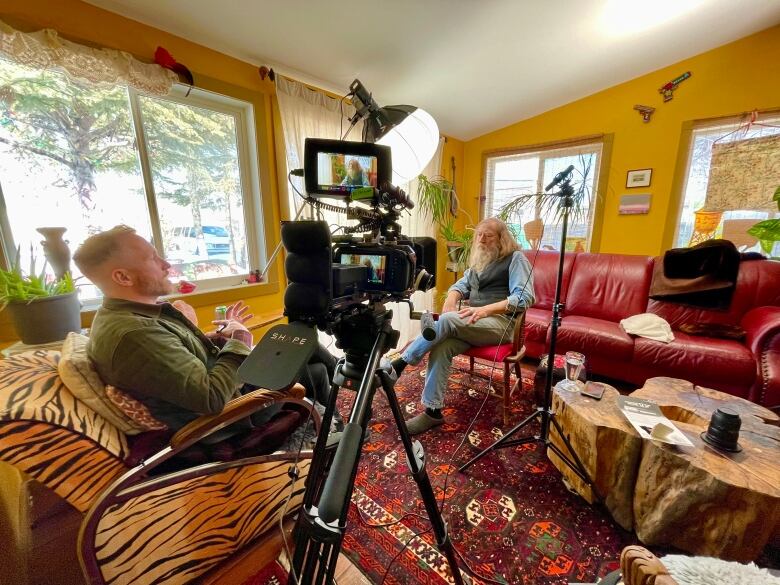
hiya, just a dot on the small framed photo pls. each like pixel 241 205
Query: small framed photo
pixel 639 178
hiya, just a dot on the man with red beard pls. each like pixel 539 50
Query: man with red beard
pixel 499 287
pixel 154 351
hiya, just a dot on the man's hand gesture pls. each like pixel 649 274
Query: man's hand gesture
pixel 234 320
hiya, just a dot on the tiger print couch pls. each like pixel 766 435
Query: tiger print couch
pixel 139 527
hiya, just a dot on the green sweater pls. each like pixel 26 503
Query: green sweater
pixel 160 358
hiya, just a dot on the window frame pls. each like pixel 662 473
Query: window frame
pixel 600 185
pixel 682 164
pixel 248 113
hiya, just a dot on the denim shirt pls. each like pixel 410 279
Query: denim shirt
pixel 521 284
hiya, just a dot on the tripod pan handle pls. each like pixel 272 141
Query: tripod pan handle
pixel 339 480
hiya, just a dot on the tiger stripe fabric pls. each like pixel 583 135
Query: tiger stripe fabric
pixel 70 465
pixel 31 389
pixel 177 533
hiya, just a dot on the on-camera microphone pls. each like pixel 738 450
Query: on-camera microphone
pixel 560 177
pixel 427 326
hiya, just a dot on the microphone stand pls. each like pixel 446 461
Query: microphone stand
pixel 544 413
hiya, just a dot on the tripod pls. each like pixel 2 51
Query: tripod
pixel 544 413
pixel 320 528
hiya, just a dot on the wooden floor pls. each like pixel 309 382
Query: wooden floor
pixel 349 574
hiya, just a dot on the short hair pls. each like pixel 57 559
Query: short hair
pixel 97 249
pixel 506 240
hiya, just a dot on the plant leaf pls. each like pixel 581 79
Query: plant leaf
pixel 776 197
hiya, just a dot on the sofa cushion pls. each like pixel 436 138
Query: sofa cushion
pixel 537 321
pixel 544 265
pixel 704 360
pixel 594 336
pixel 134 410
pixel 758 285
pixel 80 377
pixel 609 286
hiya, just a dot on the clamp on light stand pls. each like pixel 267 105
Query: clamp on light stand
pixel 544 412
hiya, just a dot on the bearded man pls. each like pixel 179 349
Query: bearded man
pixel 499 287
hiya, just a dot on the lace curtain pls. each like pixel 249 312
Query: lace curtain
pixel 45 49
pixel 309 113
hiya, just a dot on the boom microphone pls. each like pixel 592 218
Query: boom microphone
pixel 427 326
pixel 559 177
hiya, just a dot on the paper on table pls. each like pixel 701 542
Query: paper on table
pixel 645 416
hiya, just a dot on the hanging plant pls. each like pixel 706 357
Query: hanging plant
pixel 768 231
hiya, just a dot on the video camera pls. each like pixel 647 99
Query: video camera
pixel 382 265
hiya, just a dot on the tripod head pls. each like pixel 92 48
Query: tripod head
pixel 356 330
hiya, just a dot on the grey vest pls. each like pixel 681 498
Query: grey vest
pixel 492 285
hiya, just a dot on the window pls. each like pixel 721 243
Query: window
pixel 179 169
pixel 729 181
pixel 512 174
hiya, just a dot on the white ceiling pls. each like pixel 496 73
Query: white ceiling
pixel 475 65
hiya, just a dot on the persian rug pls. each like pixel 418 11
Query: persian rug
pixel 272 574
pixel 510 517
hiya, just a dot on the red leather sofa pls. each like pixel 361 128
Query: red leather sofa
pixel 601 289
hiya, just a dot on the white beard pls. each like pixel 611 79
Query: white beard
pixel 482 256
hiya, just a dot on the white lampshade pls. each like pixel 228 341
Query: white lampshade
pixel 413 143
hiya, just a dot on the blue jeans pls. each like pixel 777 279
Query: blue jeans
pixel 453 336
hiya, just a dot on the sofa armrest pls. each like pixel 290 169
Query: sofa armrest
pixel 762 328
pixel 236 410
pixel 759 324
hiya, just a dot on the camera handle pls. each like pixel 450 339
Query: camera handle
pixel 320 528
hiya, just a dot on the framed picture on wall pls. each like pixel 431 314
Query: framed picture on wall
pixel 639 178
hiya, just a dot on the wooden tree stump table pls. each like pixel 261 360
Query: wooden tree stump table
pixel 704 501
pixel 607 445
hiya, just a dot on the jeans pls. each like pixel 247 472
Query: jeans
pixel 453 336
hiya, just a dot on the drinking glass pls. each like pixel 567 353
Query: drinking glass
pixel 573 366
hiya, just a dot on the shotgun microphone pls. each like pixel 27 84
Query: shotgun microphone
pixel 560 177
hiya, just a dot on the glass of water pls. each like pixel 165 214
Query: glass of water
pixel 573 367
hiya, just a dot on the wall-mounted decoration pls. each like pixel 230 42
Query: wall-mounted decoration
pixel 645 111
pixel 638 178
pixel 667 90
pixel 634 204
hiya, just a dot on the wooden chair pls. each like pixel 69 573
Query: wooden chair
pixel 508 354
pixel 141 523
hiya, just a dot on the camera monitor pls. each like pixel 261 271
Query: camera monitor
pixel 336 168
pixel 374 263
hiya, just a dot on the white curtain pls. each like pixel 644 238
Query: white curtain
pixel 45 49
pixel 309 113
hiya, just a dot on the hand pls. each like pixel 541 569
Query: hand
pixel 238 312
pixel 186 310
pixel 226 327
pixel 473 314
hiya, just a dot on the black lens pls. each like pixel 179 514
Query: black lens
pixel 424 280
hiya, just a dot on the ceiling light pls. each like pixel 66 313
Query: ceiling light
pixel 410 132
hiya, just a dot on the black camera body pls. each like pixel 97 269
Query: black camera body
pixel 384 265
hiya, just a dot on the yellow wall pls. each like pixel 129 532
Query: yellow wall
pixel 735 78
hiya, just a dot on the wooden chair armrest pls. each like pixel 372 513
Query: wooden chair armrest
pixel 515 357
pixel 234 410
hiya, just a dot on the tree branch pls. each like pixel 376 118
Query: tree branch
pixel 35 150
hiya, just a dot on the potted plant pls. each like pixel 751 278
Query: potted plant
pixel 437 199
pixel 768 231
pixel 41 311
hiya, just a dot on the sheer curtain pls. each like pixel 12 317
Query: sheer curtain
pixel 309 113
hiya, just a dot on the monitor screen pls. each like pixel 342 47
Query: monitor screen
pixel 375 263
pixel 342 173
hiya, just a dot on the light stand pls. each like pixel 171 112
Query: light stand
pixel 544 413
pixel 321 524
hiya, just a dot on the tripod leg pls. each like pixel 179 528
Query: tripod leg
pixel 416 459
pixel 505 439
pixel 576 465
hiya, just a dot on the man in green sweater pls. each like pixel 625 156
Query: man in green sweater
pixel 150 349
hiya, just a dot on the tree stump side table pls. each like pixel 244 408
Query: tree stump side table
pixel 704 501
pixel 607 445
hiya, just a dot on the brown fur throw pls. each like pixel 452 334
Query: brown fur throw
pixel 714 330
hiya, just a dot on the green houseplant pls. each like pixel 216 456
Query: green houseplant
pixel 768 231
pixel 41 311
pixel 437 200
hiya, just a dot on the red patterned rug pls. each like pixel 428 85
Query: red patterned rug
pixel 510 516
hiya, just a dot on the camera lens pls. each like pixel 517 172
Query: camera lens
pixel 424 280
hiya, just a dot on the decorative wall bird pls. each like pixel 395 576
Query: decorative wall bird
pixel 164 59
